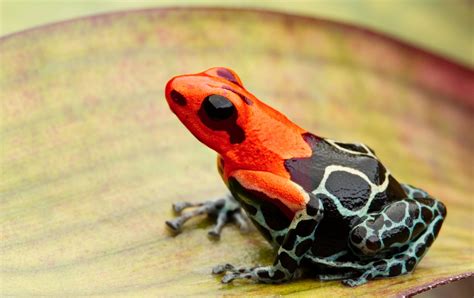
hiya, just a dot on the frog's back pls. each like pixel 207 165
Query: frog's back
pixel 349 180
pixel 349 177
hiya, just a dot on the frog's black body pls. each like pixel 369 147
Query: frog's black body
pixel 352 192
pixel 359 224
pixel 369 225
pixel 329 207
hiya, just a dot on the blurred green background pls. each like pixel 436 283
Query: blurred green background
pixel 442 26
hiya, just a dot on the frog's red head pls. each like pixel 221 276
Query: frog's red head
pixel 217 109
pixel 212 106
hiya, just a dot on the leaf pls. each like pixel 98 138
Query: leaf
pixel 92 158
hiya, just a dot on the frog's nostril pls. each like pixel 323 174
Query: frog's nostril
pixel 178 97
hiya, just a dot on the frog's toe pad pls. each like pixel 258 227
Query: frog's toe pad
pixel 213 235
pixel 219 269
pixel 228 277
pixel 173 225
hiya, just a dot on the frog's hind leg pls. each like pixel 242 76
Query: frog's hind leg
pixel 225 210
pixel 401 233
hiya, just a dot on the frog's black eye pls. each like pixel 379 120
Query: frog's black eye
pixel 218 107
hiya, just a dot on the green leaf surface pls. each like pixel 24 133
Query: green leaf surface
pixel 92 158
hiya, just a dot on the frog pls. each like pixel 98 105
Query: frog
pixel 329 209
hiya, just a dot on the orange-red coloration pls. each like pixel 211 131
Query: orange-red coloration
pixel 270 137
pixel 275 187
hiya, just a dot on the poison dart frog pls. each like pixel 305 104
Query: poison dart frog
pixel 330 209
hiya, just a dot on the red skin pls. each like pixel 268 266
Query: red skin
pixel 270 137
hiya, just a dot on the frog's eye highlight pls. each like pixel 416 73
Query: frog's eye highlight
pixel 218 107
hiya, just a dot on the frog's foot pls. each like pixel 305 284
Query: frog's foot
pixel 225 210
pixel 260 274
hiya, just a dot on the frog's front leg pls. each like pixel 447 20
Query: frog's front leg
pixel 225 210
pixel 257 192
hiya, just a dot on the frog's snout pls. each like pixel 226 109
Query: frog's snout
pixel 172 95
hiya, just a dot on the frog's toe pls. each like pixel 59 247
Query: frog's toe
pixel 241 220
pixel 213 235
pixel 219 269
pixel 227 216
pixel 231 272
pixel 178 207
pixel 174 225
pixel 354 282
pixel 228 278
pixel 222 219
pixel 259 274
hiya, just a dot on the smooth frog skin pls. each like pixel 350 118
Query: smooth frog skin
pixel 330 209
